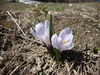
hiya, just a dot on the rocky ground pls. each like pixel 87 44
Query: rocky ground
pixel 22 54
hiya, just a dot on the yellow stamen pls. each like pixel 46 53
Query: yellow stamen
pixel 63 42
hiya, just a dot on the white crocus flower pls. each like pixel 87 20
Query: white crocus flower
pixel 64 40
pixel 41 32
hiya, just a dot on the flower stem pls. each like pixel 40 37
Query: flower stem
pixel 57 58
pixel 50 50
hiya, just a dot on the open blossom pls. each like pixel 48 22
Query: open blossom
pixel 64 40
pixel 41 32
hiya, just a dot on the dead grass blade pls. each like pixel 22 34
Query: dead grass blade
pixel 16 23
pixel 14 70
pixel 75 72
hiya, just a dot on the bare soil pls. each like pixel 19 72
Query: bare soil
pixel 22 54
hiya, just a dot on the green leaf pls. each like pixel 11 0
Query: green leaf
pixel 51 27
pixel 31 26
pixel 50 50
pixel 38 20
pixel 75 31
pixel 57 55
pixel 56 52
pixel 67 25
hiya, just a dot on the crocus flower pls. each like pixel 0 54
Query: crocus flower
pixel 64 40
pixel 41 32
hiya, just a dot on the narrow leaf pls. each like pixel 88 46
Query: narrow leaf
pixel 51 27
pixel 38 20
pixel 67 25
pixel 31 26
pixel 75 31
pixel 50 50
pixel 57 57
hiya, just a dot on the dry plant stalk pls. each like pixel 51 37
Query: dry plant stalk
pixel 16 23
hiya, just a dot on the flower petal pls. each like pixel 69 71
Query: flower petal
pixel 33 33
pixel 47 23
pixel 40 29
pixel 46 40
pixel 67 46
pixel 54 40
pixel 68 38
pixel 62 34
pixel 68 31
pixel 47 28
pixel 71 46
pixel 59 43
pixel 65 32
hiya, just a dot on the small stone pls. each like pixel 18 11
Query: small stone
pixel 1 58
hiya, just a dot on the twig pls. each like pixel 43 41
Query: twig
pixel 14 70
pixel 16 23
pixel 23 71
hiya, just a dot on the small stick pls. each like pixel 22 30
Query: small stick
pixel 14 70
pixel 16 23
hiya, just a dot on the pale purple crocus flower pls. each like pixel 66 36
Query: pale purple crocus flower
pixel 63 41
pixel 41 32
